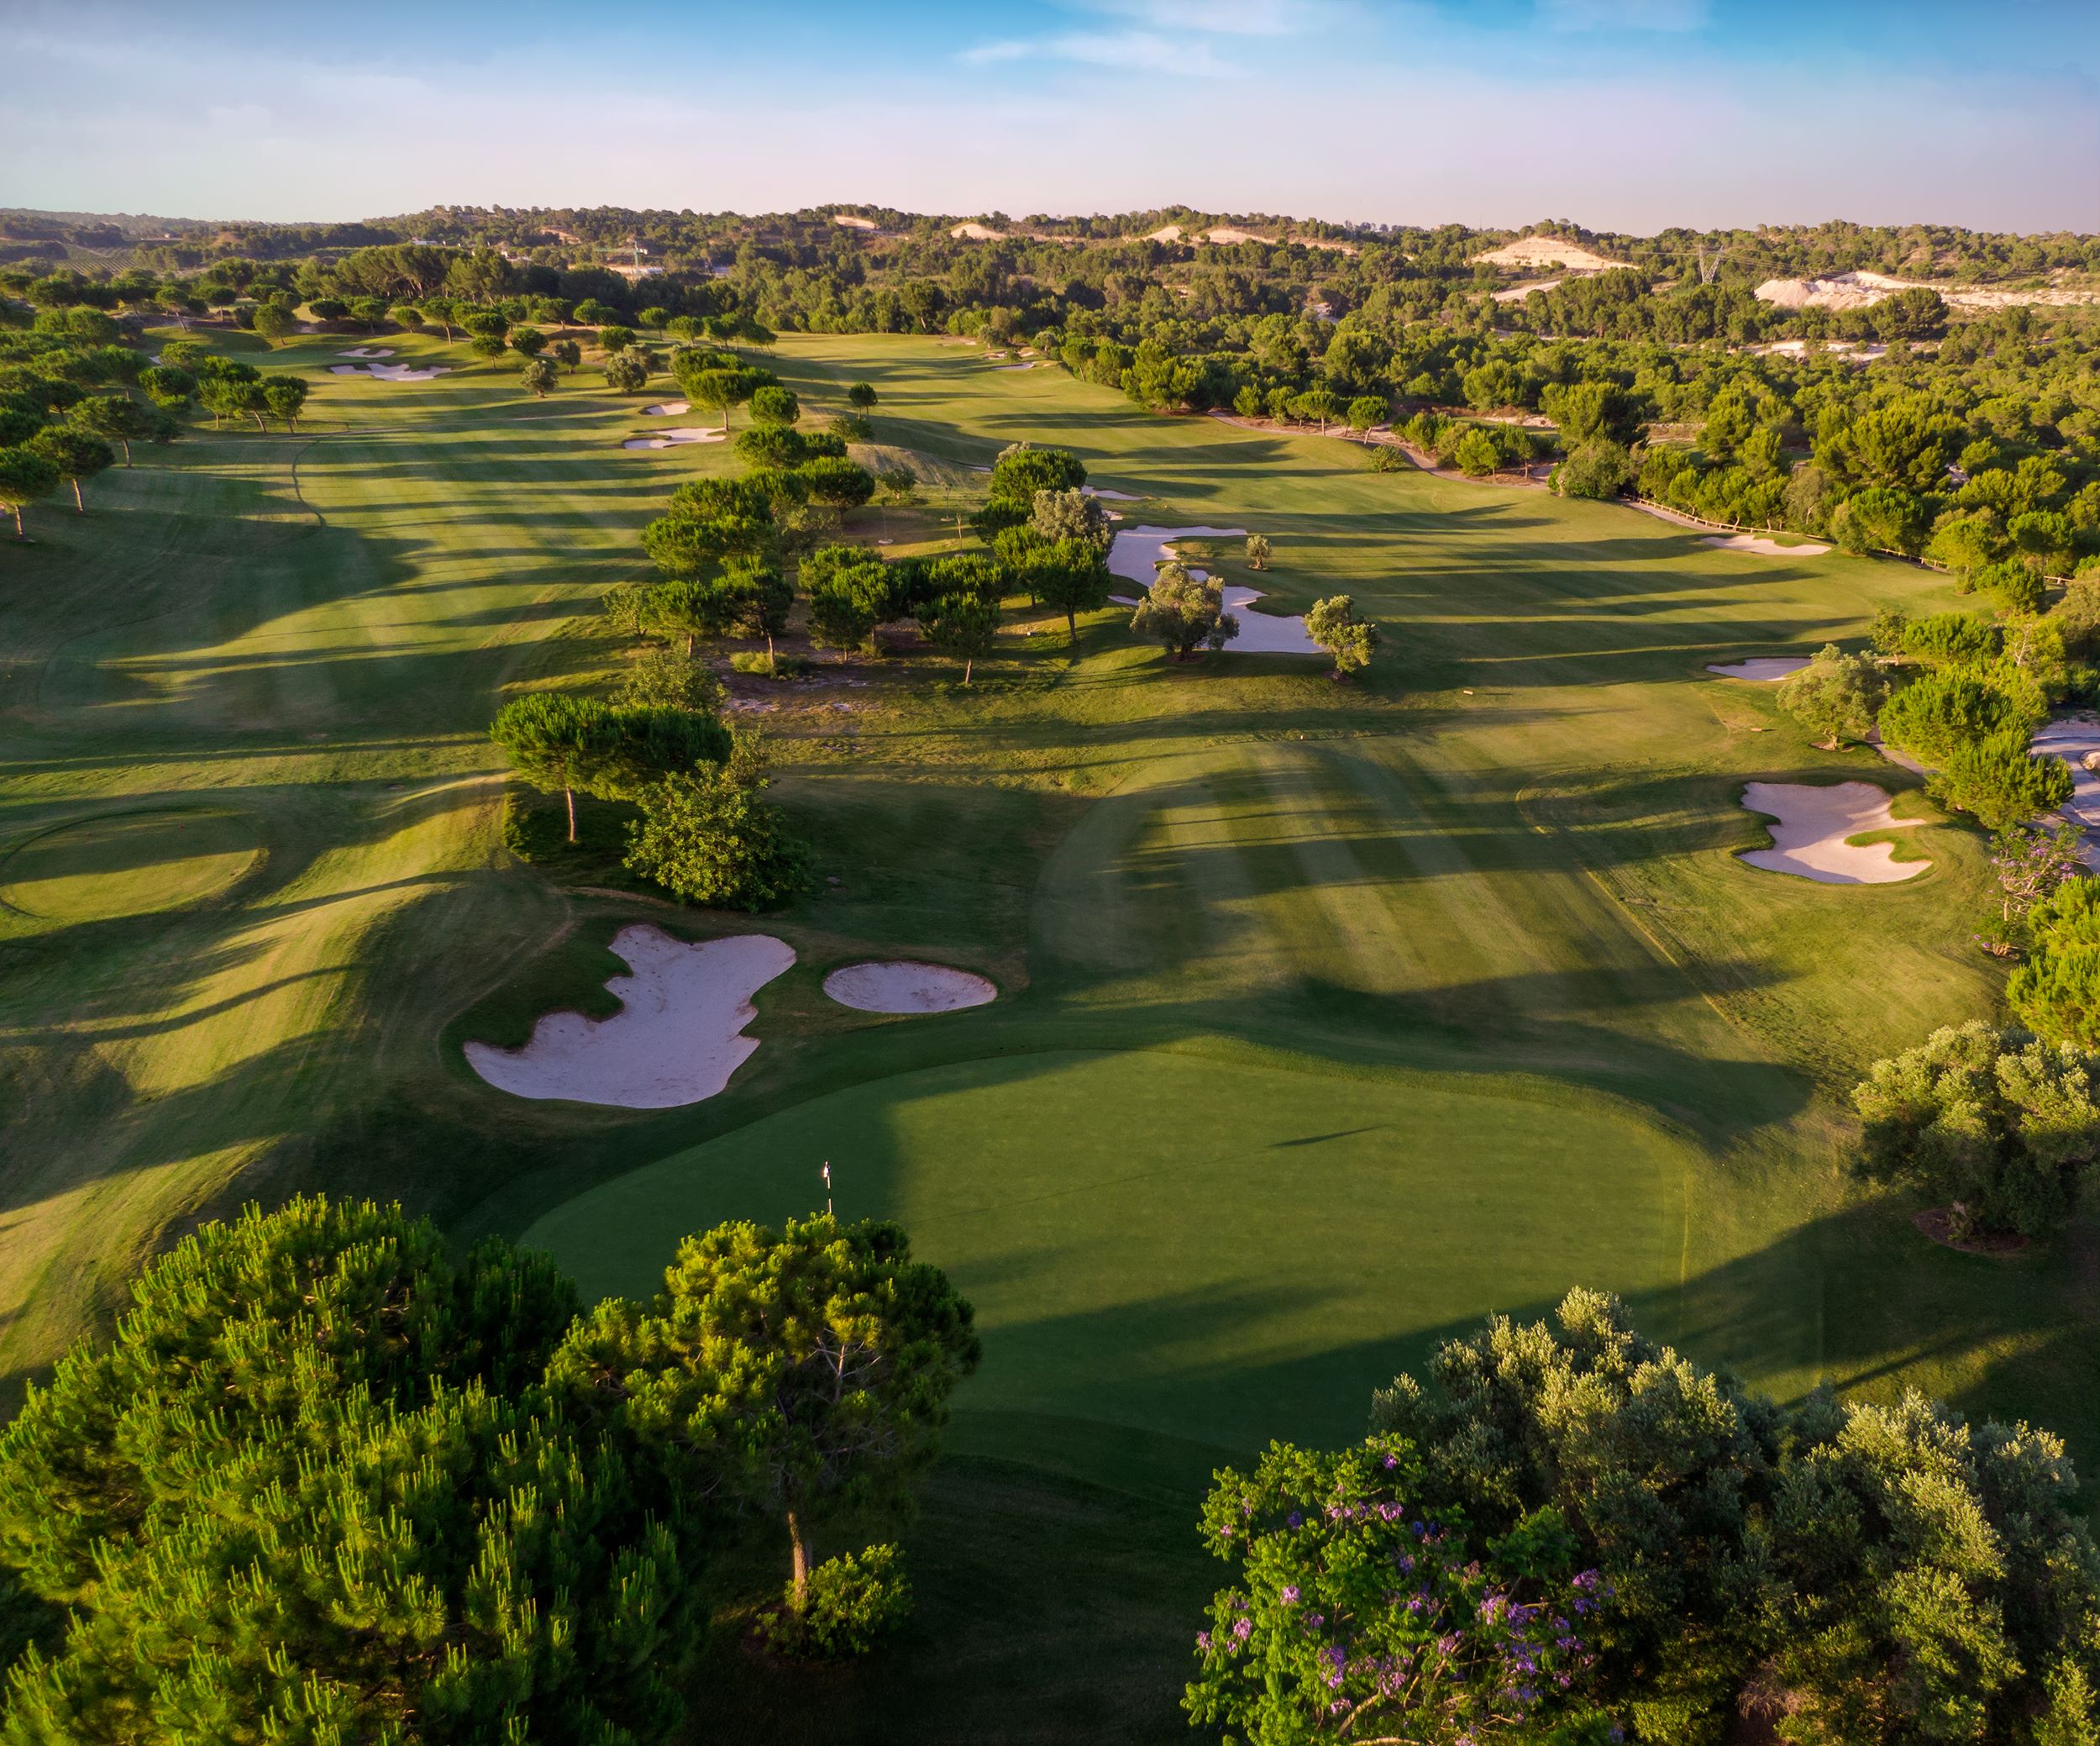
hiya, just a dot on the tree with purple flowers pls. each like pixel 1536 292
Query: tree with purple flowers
pixel 1360 1616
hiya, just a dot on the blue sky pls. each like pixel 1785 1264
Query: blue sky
pixel 1620 114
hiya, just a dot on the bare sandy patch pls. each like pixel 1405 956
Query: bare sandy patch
pixel 1165 233
pixel 1548 251
pixel 902 986
pixel 1225 235
pixel 676 434
pixel 676 1039
pixel 1814 824
pixel 853 221
pixel 1761 669
pixel 976 233
pixel 1759 545
pixel 1517 293
pixel 667 409
pixel 1862 289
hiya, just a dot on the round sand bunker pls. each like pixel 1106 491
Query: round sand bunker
pixel 906 987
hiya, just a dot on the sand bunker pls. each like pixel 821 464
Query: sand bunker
pixel 367 351
pixel 677 1038
pixel 1548 251
pixel 1137 553
pixel 1814 822
pixel 2074 739
pixel 1765 669
pixel 391 372
pixel 906 987
pixel 677 433
pixel 667 409
pixel 1110 496
pixel 1761 547
pixel 1266 633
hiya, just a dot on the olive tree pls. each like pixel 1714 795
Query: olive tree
pixel 1181 610
pixel 1835 696
pixel 1334 625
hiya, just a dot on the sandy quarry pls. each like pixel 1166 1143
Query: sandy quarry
pixel 367 351
pixel 677 433
pixel 1548 251
pixel 1812 823
pixel 1763 669
pixel 2074 739
pixel 676 1039
pixel 667 409
pixel 391 372
pixel 908 988
pixel 1862 289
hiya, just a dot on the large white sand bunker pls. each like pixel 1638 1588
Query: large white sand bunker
pixel 1137 553
pixel 668 409
pixel 1762 547
pixel 391 372
pixel 2074 739
pixel 678 1035
pixel 1765 669
pixel 1265 633
pixel 676 434
pixel 907 987
pixel 1814 823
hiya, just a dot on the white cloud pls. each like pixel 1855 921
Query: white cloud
pixel 1125 50
pixel 1667 15
pixel 1223 18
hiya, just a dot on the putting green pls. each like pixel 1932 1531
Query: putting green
pixel 1182 1243
pixel 126 864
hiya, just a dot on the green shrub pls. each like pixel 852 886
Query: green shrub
pixel 852 1602
pixel 710 835
pixel 1939 711
pixel 1997 1126
pixel 2056 992
pixel 1956 639
pixel 770 666
pixel 2002 783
